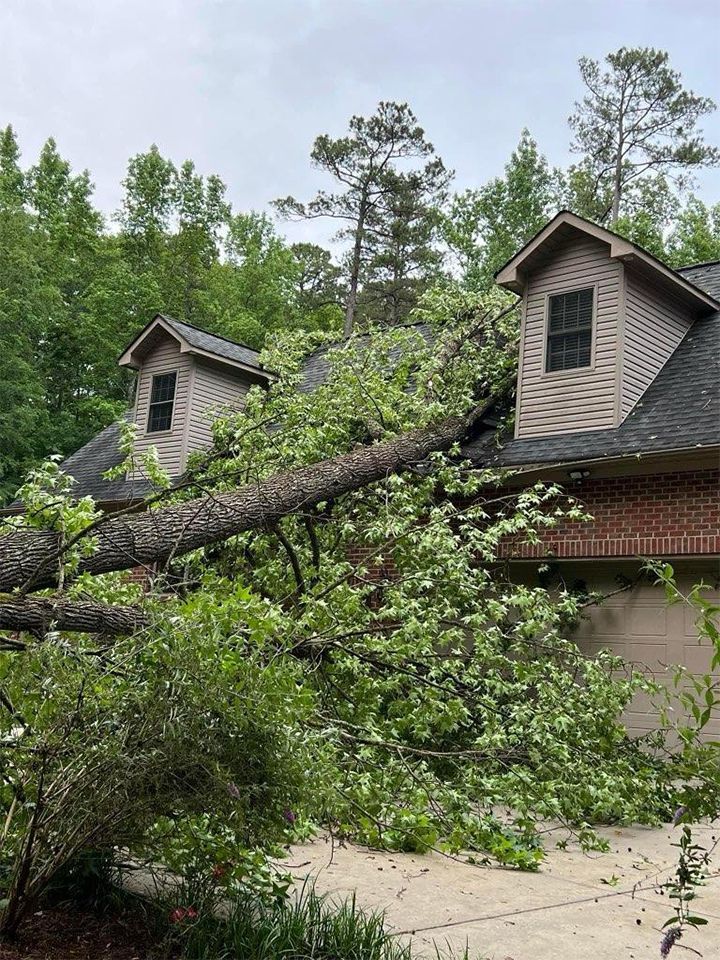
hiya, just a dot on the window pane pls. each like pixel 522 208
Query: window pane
pixel 160 416
pixel 569 350
pixel 570 330
pixel 569 311
pixel 163 387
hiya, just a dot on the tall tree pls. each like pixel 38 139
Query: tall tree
pixel 250 292
pixel 201 213
pixel 147 207
pixel 402 256
pixel 636 119
pixel 68 243
pixel 365 165
pixel 319 291
pixel 24 308
pixel 172 221
pixel 652 215
pixel 485 227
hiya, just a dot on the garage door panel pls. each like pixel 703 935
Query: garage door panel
pixel 697 657
pixel 613 644
pixel 648 619
pixel 653 655
pixel 605 621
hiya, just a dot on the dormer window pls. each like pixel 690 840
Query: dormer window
pixel 162 398
pixel 569 330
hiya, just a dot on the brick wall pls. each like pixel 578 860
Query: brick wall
pixel 667 514
pixel 378 564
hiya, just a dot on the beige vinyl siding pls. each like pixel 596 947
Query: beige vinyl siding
pixel 165 357
pixel 214 389
pixel 576 400
pixel 655 323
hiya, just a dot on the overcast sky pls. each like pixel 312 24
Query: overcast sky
pixel 242 87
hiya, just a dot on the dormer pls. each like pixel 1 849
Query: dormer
pixel 186 377
pixel 600 318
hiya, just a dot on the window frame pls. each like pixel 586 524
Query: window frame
pixel 157 403
pixel 570 371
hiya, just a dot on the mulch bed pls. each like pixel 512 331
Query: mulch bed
pixel 64 933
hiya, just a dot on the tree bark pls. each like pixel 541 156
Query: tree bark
pixel 28 558
pixel 39 615
pixel 351 305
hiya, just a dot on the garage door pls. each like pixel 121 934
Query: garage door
pixel 641 627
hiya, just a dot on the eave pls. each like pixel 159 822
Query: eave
pixel 132 355
pixel 512 275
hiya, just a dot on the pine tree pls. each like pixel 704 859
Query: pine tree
pixel 636 120
pixel 365 165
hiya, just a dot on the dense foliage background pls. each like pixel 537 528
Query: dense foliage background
pixel 75 286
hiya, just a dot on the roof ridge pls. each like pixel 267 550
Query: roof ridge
pixel 209 333
pixel 700 263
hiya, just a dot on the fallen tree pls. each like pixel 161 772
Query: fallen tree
pixel 430 690
pixel 39 615
pixel 28 558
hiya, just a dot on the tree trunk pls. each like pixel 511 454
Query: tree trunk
pixel 617 192
pixel 617 179
pixel 351 305
pixel 38 615
pixel 28 558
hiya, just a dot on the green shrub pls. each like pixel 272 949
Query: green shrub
pixel 309 926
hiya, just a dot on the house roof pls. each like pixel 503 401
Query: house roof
pixel 317 366
pixel 88 464
pixel 193 340
pixel 565 223
pixel 680 410
pixel 704 275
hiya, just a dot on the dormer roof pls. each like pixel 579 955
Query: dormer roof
pixel 566 224
pixel 192 340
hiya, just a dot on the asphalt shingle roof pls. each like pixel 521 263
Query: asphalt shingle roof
pixel 212 343
pixel 680 409
pixel 704 275
pixel 88 464
pixel 316 368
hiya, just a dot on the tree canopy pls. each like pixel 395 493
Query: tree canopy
pixel 75 286
pixel 636 121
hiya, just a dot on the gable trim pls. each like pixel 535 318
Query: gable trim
pixel 511 276
pixel 127 358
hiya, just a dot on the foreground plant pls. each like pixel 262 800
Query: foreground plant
pixel 307 925
pixel 696 760
pixel 366 658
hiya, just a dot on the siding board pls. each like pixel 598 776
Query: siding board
pixel 163 358
pixel 215 389
pixel 655 323
pixel 571 401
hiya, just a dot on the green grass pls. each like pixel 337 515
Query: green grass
pixel 309 927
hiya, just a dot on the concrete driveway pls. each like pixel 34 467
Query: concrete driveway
pixel 578 906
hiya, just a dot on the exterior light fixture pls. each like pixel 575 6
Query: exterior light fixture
pixel 578 475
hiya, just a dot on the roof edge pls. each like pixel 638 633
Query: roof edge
pixel 530 465
pixel 168 325
pixel 509 275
